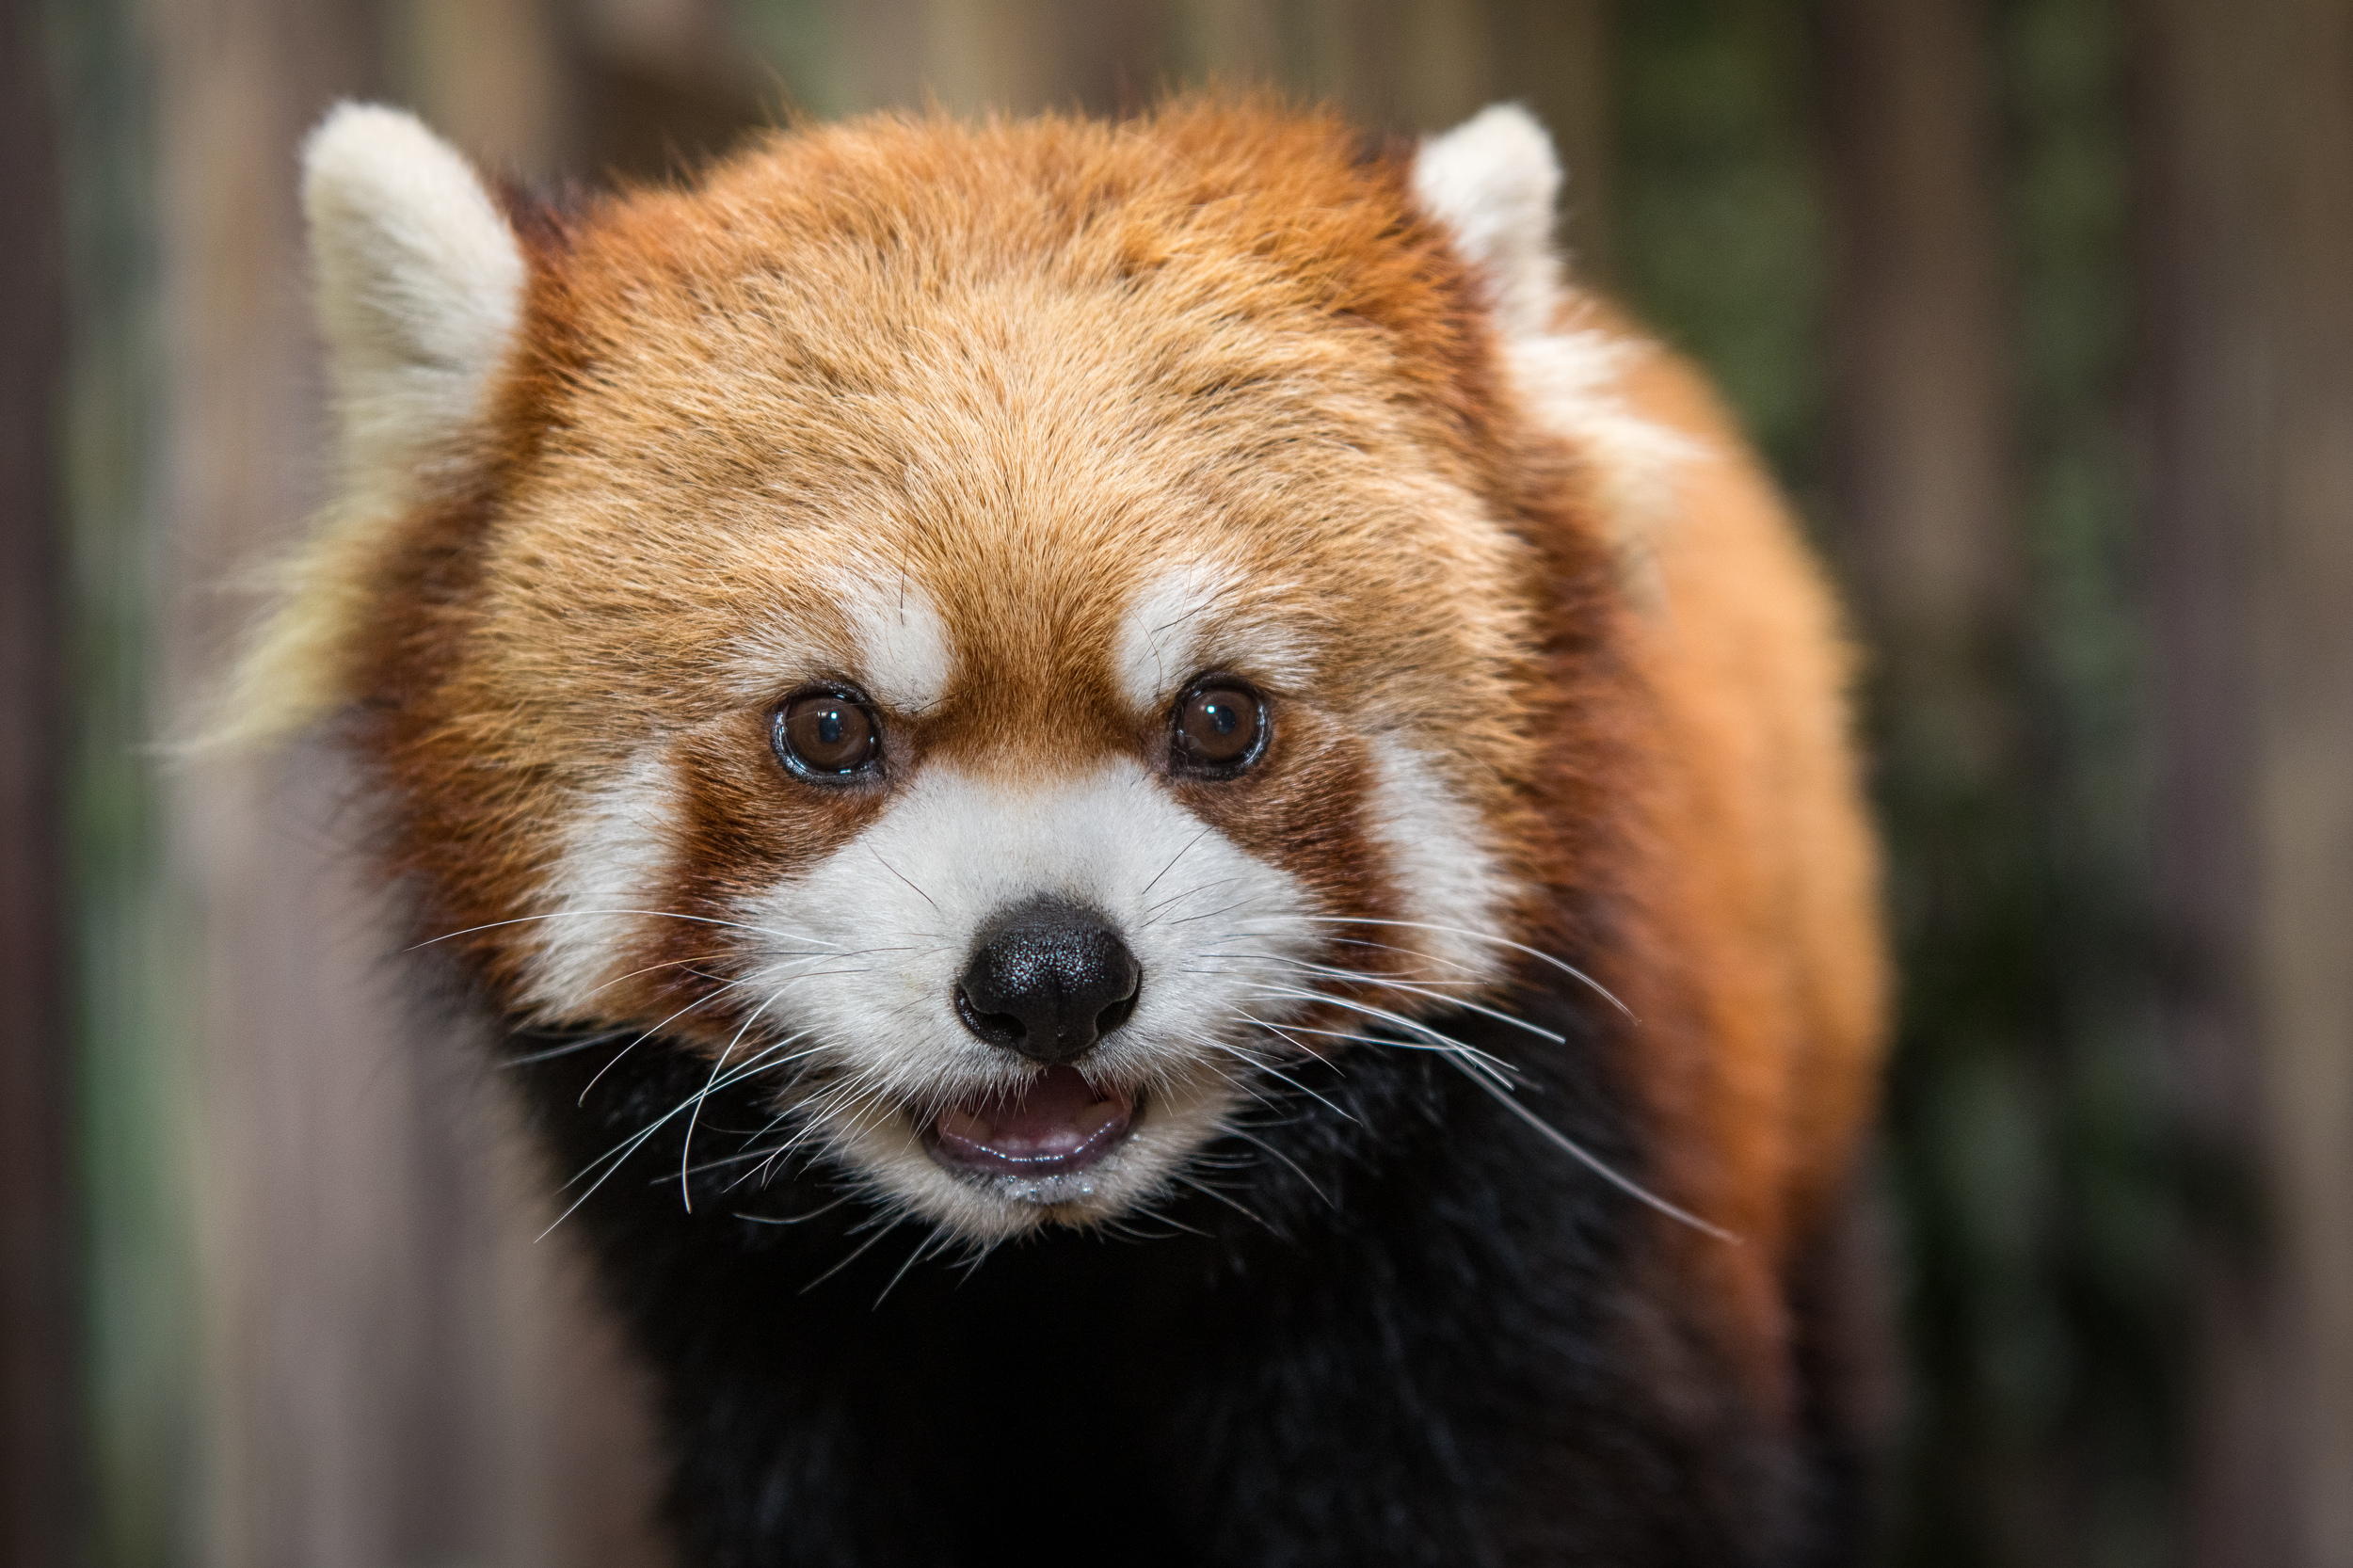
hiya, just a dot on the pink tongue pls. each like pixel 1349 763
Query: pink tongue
pixel 1057 1117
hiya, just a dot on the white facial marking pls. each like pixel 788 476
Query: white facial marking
pixel 1191 618
pixel 616 854
pixel 867 946
pixel 897 646
pixel 1447 880
pixel 904 655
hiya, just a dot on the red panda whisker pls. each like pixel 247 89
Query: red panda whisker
pixel 1182 894
pixel 1256 1063
pixel 649 914
pixel 1538 953
pixel 1600 1167
pixel 615 1158
pixel 796 1219
pixel 1365 976
pixel 1212 914
pixel 721 1161
pixel 1413 989
pixel 1176 1227
pixel 766 1157
pixel 1210 1190
pixel 554 1052
pixel 902 876
pixel 1504 1071
pixel 650 1033
pixel 1474 980
pixel 857 1253
pixel 665 964
pixel 936 1240
pixel 1277 1073
pixel 686 1145
pixel 1265 1148
pixel 1392 947
pixel 1377 977
pixel 1146 890
pixel 1383 1014
pixel 755 977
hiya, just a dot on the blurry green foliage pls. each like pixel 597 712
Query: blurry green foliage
pixel 1721 223
pixel 2036 1179
pixel 140 1338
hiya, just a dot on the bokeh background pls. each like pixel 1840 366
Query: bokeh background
pixel 2042 309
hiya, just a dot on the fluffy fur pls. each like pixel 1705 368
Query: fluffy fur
pixel 1508 1026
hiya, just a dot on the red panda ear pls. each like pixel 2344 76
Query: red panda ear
pixel 420 286
pixel 1492 181
pixel 420 281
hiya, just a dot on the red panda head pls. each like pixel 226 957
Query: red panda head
pixel 1006 635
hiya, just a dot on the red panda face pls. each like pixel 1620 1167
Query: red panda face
pixel 995 636
pixel 1026 732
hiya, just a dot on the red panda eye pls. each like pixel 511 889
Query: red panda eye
pixel 1220 728
pixel 826 735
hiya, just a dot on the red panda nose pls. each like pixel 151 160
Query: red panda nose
pixel 1048 979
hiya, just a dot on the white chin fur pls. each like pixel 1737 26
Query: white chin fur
pixel 861 954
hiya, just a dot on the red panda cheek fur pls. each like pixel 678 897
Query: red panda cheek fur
pixel 996 420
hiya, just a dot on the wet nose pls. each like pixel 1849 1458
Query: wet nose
pixel 1048 980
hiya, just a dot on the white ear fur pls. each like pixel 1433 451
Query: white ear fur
pixel 1491 181
pixel 420 286
pixel 419 283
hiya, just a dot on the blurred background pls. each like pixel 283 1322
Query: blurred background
pixel 2044 309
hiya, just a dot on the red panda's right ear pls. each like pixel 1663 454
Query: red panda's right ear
pixel 420 281
pixel 420 286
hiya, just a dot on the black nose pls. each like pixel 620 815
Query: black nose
pixel 1048 980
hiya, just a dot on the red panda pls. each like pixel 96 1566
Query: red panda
pixel 1167 841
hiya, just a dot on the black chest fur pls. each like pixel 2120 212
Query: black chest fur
pixel 1389 1325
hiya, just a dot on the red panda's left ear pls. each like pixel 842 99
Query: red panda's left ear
pixel 1491 181
pixel 420 281
pixel 420 286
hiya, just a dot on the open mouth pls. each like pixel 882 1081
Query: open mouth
pixel 1060 1123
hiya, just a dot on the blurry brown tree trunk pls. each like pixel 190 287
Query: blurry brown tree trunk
pixel 392 1373
pixel 40 1261
pixel 2246 119
pixel 1924 494
pixel 1924 484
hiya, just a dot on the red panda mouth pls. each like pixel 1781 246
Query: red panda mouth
pixel 1061 1123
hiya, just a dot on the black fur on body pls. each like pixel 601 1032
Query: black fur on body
pixel 1392 1325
